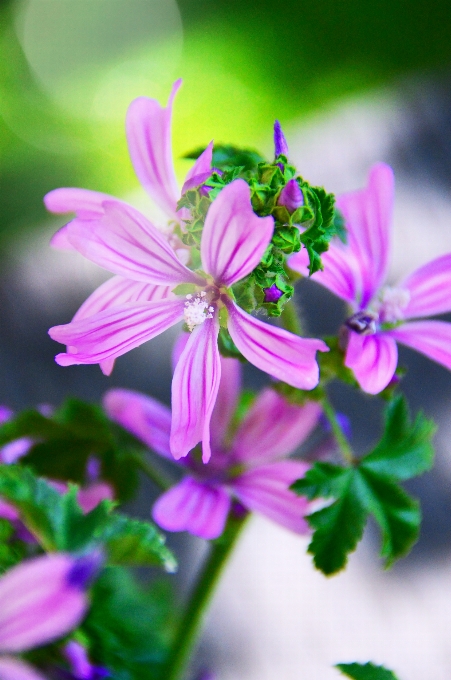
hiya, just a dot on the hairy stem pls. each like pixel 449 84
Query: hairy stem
pixel 338 433
pixel 190 625
pixel 290 318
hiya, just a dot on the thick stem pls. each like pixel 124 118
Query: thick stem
pixel 191 623
pixel 339 435
pixel 157 476
pixel 290 318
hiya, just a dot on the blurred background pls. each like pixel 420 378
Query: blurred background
pixel 352 83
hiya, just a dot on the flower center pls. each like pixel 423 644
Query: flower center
pixel 392 303
pixel 363 323
pixel 197 309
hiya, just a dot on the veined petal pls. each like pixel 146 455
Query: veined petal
pixel 115 292
pixel 201 166
pixel 39 602
pixel 368 218
pixel 125 242
pixel 226 401
pixel 234 237
pixel 429 288
pixel 86 204
pixel 341 274
pixel 115 331
pixel 148 128
pixel 432 338
pixel 144 417
pixel 274 350
pixel 273 428
pixel 15 669
pixel 373 358
pixel 192 506
pixel 265 490
pixel 194 389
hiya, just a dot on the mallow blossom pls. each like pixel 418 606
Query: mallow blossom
pixel 233 242
pixel 41 600
pixel 382 315
pixel 148 129
pixel 248 463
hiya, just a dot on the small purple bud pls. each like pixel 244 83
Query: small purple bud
pixel 239 510
pixel 84 570
pixel 363 323
pixel 343 421
pixel 272 294
pixel 291 196
pixel 280 143
pixel 93 469
pixel 5 414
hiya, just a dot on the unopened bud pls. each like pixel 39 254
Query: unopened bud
pixel 280 143
pixel 291 196
pixel 272 294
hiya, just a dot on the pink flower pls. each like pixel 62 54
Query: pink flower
pixel 382 315
pixel 249 464
pixel 10 453
pixel 148 128
pixel 234 239
pixel 42 599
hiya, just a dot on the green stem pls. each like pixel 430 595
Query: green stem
pixel 157 476
pixel 290 319
pixel 191 623
pixel 342 442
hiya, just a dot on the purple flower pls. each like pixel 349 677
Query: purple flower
pixel 81 667
pixel 280 143
pixel 291 196
pixel 234 239
pixel 39 604
pixel 382 315
pixel 148 128
pixel 10 453
pixel 250 464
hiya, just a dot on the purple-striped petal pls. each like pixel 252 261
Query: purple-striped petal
pixel 148 128
pixel 432 338
pixel 200 171
pixel 341 274
pixel 373 358
pixel 115 292
pixel 429 288
pixel 274 350
pixel 368 218
pixel 115 331
pixel 194 389
pixel 144 417
pixel 86 204
pixel 15 669
pixel 234 237
pixel 192 506
pixel 39 603
pixel 226 401
pixel 266 490
pixel 273 428
pixel 123 241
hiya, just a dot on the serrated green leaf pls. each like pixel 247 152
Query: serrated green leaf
pixel 322 480
pixel 367 671
pixel 58 522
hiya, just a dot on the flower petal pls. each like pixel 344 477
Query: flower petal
pixel 115 331
pixel 89 497
pixel 144 417
pixel 429 288
pixel 432 338
pixel 274 350
pixel 265 490
pixel 86 204
pixel 202 166
pixel 15 669
pixel 341 274
pixel 192 506
pixel 226 401
pixel 368 218
pixel 125 242
pixel 148 128
pixel 194 389
pixel 39 602
pixel 273 428
pixel 234 237
pixel 8 511
pixel 373 358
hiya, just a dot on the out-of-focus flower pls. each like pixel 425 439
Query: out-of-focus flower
pixel 41 600
pixel 11 452
pixel 249 464
pixel 280 143
pixel 382 315
pixel 148 128
pixel 81 667
pixel 234 240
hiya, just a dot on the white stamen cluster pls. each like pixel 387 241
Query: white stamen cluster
pixel 392 303
pixel 197 309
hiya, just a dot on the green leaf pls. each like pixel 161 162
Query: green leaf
pixel 367 671
pixel 58 522
pixel 370 487
pixel 129 627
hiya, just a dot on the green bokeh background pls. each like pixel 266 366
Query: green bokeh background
pixel 244 63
